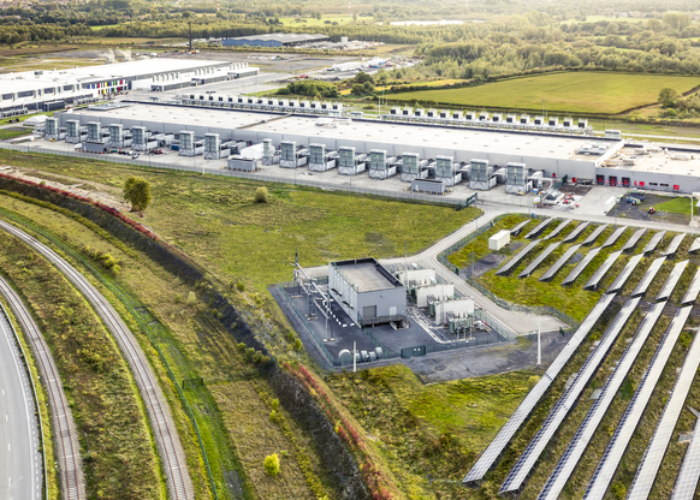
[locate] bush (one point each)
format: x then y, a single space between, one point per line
298 345
618 490
261 195
178 298
276 404
241 347
240 286
249 353
272 464
191 299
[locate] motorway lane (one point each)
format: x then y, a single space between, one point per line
20 459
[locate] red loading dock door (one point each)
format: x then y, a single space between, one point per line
626 181
600 180
613 180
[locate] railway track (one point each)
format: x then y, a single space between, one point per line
164 430
68 447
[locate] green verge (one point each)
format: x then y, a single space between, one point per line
118 454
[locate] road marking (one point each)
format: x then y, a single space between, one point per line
9 447
7 418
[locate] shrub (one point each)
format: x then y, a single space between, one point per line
249 353
240 286
276 404
241 347
178 298
261 195
298 345
618 490
257 357
191 299
272 464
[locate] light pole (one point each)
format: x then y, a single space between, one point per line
539 346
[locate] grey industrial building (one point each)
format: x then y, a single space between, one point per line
478 155
367 291
272 40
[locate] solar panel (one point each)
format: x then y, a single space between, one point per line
508 266
576 232
691 294
588 427
538 260
602 270
581 266
489 457
687 480
673 246
649 468
516 230
539 228
612 239
625 274
560 263
648 277
654 241
695 246
672 281
607 466
634 239
594 235
558 229
527 460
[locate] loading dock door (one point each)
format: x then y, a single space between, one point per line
626 181
600 180
369 312
613 180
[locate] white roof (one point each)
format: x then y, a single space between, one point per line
35 120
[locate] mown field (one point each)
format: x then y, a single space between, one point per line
575 92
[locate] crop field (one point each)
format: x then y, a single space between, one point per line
575 92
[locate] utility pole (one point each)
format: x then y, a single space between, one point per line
190 34
354 357
692 214
539 346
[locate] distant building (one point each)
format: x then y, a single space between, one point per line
272 40
367 291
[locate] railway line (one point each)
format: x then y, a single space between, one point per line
68 447
164 430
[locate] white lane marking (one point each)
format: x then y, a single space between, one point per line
9 447
7 419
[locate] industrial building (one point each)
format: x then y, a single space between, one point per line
436 158
366 291
273 40
41 90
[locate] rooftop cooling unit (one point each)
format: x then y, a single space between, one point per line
212 147
94 131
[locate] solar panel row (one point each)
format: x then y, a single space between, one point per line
602 270
539 228
648 277
602 477
687 480
517 229
558 229
612 239
695 246
691 294
588 427
594 235
522 468
625 274
538 260
654 455
494 450
654 242
634 239
552 271
513 262
672 280
576 232
581 266
673 246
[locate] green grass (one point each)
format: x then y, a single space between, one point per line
118 453
306 21
583 92
11 134
678 205
98 28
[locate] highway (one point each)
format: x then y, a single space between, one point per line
172 455
67 446
21 462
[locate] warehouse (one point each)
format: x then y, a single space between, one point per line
273 40
545 156
366 291
41 90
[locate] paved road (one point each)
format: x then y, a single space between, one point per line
20 459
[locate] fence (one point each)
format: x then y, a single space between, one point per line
399 195
537 310
138 317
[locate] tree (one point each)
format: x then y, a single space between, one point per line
368 87
667 97
363 77
272 464
137 192
358 89
261 195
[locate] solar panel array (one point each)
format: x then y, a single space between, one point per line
558 229
494 450
691 294
654 241
594 235
672 281
576 232
521 469
538 260
588 427
607 466
513 262
695 246
539 228
687 480
516 230
560 263
625 274
648 277
612 239
649 468
673 246
634 239
602 270
581 266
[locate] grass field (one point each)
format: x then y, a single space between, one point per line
98 28
582 92
307 21
678 205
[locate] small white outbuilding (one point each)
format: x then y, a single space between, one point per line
499 240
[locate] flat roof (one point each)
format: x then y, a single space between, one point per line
663 163
435 136
281 37
366 275
206 117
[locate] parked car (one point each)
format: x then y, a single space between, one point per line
652 210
